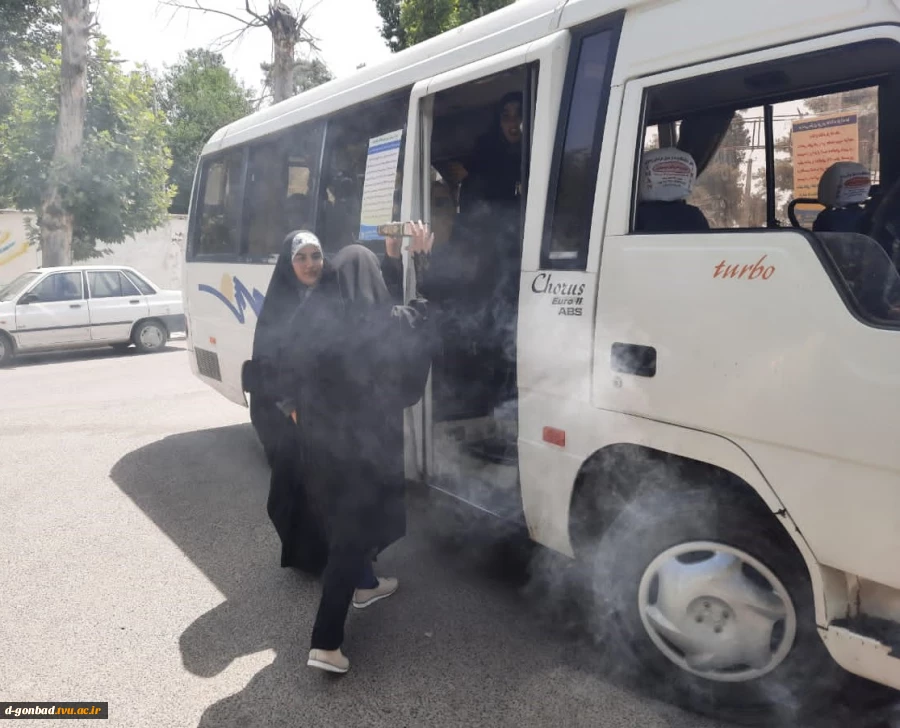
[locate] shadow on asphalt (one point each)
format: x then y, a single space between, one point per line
484 630
57 357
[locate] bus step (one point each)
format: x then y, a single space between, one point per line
881 630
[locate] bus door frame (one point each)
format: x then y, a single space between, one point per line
551 55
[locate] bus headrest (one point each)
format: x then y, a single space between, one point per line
844 183
667 175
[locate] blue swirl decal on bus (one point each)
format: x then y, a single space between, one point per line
236 296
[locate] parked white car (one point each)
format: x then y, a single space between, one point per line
86 306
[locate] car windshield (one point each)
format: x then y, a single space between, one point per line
7 293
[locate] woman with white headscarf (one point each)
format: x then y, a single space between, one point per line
349 363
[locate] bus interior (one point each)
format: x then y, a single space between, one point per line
477 257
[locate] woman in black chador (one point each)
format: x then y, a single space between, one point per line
343 366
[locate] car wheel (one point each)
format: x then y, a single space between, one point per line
7 350
712 598
150 336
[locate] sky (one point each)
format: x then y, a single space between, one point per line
144 31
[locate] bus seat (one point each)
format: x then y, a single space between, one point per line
667 180
843 189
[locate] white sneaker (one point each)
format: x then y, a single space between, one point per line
363 598
329 660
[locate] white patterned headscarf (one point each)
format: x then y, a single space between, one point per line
304 239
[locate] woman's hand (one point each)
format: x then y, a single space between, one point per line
456 172
422 238
294 416
392 247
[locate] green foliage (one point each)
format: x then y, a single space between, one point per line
28 28
470 10
308 73
120 188
199 96
391 29
407 22
424 19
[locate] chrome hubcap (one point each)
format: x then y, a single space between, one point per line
152 337
717 612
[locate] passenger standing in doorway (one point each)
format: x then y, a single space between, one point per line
350 364
491 212
495 174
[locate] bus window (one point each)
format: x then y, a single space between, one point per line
220 206
344 170
795 158
280 178
571 197
730 187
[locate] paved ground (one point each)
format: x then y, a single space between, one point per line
139 568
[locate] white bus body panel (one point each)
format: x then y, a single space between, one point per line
224 324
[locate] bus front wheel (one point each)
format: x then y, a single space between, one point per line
712 599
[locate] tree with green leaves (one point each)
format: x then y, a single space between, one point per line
391 29
308 73
199 96
119 188
407 22
27 29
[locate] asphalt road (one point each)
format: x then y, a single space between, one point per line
139 568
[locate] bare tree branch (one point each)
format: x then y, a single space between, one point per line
231 38
287 27
250 11
258 22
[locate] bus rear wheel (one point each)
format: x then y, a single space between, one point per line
713 600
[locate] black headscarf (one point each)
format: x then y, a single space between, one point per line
284 295
360 280
496 167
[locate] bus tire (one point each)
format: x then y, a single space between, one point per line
711 598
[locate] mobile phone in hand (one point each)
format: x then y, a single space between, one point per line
395 230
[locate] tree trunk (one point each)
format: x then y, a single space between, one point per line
55 220
285 28
283 70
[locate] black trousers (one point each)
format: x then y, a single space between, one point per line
343 573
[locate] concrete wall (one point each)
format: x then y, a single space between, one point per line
158 254
16 256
